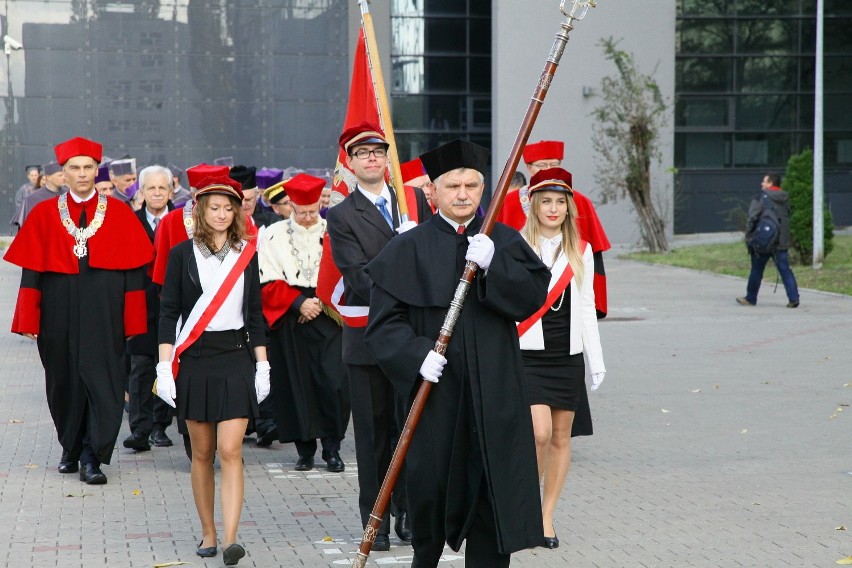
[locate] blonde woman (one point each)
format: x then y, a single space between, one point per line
556 338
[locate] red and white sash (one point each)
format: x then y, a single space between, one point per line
211 300
561 275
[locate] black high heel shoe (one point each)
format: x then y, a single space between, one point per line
551 541
208 552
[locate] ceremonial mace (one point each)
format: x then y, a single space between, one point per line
577 13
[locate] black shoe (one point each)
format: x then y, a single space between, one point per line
265 438
208 552
304 463
67 465
232 554
402 527
137 442
92 474
159 439
793 304
382 543
334 464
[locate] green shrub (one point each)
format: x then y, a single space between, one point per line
799 184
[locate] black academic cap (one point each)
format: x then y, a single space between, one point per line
245 175
453 155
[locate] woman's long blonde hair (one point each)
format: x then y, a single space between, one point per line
570 235
204 234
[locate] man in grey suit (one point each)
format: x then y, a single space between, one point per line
359 228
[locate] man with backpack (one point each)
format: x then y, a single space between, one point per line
768 236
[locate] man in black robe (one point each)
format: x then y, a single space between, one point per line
81 295
471 467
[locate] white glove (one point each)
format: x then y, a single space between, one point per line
597 379
480 250
261 380
407 226
166 383
432 367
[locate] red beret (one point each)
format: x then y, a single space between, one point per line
552 179
219 184
362 133
304 189
412 169
544 150
196 174
77 147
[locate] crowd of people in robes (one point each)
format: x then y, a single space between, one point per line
208 299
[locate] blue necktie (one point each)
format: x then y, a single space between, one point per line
382 204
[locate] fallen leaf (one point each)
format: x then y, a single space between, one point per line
79 495
839 409
167 564
840 528
848 385
743 431
666 411
16 421
137 492
765 383
327 539
716 387
695 390
31 466
845 561
832 416
756 503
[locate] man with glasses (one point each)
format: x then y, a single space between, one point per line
309 386
544 155
359 228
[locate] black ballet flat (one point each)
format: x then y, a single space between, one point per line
208 552
232 554
551 542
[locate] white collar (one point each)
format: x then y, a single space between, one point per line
372 196
82 199
452 223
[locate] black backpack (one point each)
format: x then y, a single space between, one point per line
764 238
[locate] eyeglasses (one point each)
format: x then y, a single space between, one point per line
306 214
546 164
363 153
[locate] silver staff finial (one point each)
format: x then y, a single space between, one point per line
578 9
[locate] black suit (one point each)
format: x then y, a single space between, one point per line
358 233
146 411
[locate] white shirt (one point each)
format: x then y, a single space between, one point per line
230 314
372 197
453 224
150 217
549 249
81 199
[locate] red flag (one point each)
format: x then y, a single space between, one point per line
362 106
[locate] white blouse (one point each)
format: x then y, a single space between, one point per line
230 315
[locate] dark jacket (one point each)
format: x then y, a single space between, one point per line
182 288
358 233
781 205
146 344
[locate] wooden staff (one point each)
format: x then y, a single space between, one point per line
578 12
384 109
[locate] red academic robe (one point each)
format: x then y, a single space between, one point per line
82 309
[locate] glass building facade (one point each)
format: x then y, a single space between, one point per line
441 73
180 81
745 100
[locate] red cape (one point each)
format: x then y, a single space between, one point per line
44 245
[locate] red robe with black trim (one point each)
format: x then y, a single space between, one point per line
588 225
82 310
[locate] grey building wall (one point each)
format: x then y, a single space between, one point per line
523 33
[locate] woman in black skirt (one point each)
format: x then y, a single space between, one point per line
555 339
212 283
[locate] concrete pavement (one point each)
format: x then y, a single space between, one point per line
722 438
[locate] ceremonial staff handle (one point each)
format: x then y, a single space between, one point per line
577 12
384 108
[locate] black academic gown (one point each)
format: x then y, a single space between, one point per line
476 424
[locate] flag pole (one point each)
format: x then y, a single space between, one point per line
384 108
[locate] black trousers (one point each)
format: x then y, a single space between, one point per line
480 542
146 410
308 448
375 420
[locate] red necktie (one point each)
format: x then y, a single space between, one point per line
460 230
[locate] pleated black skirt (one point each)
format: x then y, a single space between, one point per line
215 380
555 378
